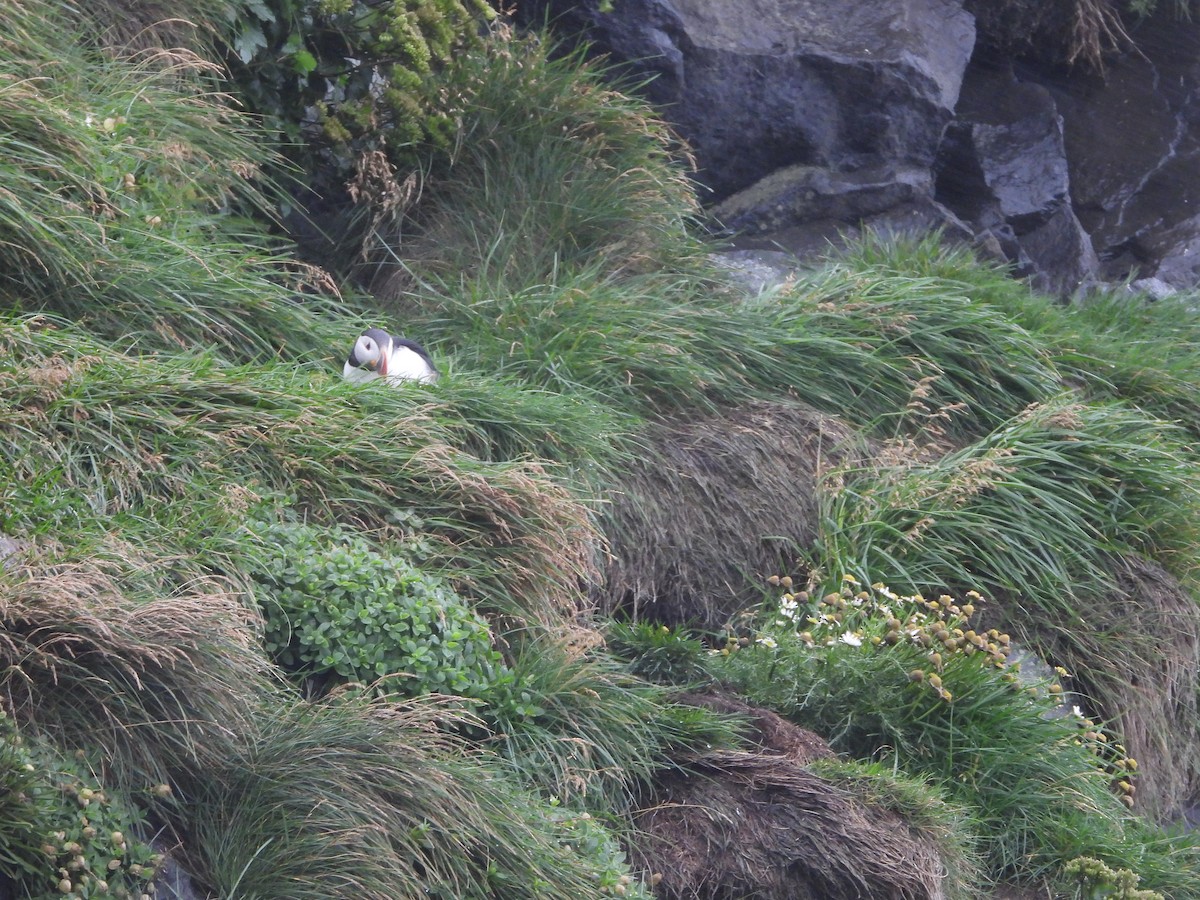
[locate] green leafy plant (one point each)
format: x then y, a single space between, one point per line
362 67
334 603
63 832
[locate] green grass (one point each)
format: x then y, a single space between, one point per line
162 383
119 178
353 800
91 434
552 167
1035 782
580 726
1034 510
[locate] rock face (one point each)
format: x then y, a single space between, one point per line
810 119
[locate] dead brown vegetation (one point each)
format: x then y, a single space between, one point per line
716 505
733 824
1148 691
155 683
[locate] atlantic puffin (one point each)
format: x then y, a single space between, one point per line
377 354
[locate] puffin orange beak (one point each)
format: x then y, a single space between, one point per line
383 365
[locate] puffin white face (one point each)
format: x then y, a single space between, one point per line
368 359
368 352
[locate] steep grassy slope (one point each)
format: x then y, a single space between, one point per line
208 541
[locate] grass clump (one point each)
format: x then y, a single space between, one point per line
355 799
118 175
1042 503
202 429
108 655
579 726
552 168
907 679
1109 345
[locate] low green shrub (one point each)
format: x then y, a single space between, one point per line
333 603
63 831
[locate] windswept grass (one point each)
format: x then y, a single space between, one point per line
552 167
118 178
350 800
93 434
100 654
581 727
1111 345
1038 507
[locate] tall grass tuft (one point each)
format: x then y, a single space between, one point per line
552 167
1109 345
1037 510
119 177
580 726
354 800
102 655
934 359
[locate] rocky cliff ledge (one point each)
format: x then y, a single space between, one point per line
813 119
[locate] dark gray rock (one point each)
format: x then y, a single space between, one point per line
806 210
757 85
1003 168
884 115
1131 138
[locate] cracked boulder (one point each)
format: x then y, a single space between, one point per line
1003 168
759 85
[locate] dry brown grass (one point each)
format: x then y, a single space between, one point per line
736 824
1148 691
94 659
716 505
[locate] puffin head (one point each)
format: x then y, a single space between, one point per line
370 351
